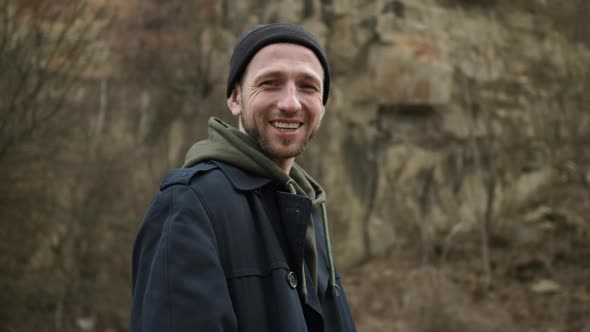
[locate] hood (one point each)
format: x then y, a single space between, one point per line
229 145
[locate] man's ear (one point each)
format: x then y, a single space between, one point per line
234 102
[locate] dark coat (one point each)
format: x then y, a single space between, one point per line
219 250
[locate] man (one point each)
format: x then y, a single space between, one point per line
237 240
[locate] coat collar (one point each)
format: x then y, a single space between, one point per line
241 179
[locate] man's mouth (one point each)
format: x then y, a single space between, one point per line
285 126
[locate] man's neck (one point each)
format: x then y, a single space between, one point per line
284 164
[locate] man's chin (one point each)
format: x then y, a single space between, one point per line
283 153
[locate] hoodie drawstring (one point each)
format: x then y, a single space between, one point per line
293 191
335 289
334 286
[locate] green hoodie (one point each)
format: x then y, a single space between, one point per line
229 145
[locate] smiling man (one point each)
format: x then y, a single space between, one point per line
279 101
237 239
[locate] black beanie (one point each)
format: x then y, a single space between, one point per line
263 35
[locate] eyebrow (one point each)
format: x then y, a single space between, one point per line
311 77
304 75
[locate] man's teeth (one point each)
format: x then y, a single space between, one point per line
285 125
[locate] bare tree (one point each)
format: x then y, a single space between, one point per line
44 51
47 49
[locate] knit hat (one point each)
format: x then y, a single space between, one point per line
263 35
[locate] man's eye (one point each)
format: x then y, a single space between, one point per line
310 87
269 83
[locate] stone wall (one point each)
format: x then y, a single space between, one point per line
444 115
447 119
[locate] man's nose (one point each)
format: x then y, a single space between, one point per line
289 101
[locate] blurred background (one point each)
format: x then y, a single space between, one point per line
455 152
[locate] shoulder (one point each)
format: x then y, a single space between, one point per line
213 175
205 183
184 176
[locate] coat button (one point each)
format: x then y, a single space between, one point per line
292 279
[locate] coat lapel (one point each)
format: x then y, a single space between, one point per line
294 211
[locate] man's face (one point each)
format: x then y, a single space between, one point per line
279 100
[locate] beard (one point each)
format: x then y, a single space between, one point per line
276 148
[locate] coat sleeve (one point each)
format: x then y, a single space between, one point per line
178 281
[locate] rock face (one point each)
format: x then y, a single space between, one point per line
440 115
446 118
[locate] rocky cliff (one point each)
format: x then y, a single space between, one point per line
446 116
450 121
